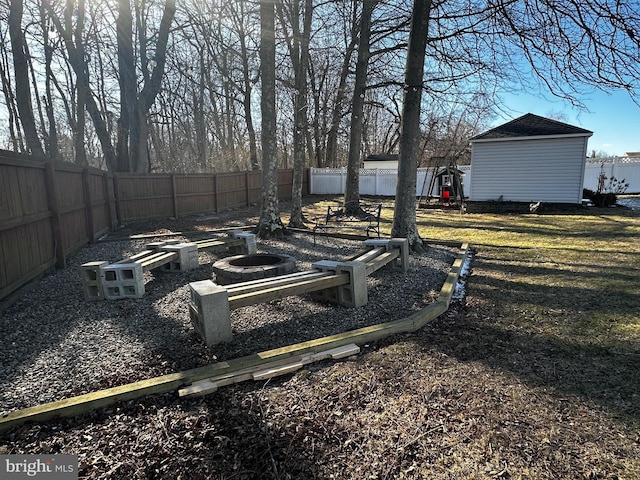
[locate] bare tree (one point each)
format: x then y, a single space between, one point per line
21 74
568 45
15 133
269 224
51 137
337 111
352 188
134 122
77 57
404 217
298 46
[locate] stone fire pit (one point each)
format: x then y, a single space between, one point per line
242 268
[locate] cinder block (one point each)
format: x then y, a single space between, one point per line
187 257
354 294
400 244
209 312
91 281
328 294
122 280
325 265
250 246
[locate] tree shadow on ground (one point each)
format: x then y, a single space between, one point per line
607 375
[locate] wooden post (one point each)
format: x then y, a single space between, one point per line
88 206
116 195
175 196
59 259
107 199
246 185
216 196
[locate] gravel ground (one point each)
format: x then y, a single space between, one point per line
58 345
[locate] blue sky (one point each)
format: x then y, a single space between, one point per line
613 118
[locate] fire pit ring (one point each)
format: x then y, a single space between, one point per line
242 268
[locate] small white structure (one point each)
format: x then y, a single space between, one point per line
383 161
529 159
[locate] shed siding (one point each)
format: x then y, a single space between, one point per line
546 170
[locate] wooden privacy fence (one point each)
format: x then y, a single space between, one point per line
48 211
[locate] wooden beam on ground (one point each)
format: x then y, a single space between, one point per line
267 370
449 286
218 245
167 383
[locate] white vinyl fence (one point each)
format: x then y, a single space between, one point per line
620 168
377 181
382 182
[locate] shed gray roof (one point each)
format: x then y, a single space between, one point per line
384 157
530 125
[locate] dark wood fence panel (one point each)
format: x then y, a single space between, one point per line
25 222
194 194
98 199
48 211
72 210
231 190
254 186
285 184
144 196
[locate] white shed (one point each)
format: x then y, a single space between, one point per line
529 159
383 161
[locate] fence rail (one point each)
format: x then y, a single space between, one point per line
382 182
50 210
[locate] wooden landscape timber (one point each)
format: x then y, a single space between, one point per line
266 371
85 403
186 233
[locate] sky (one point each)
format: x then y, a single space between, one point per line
613 118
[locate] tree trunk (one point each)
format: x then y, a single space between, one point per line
51 137
81 91
134 112
270 224
127 82
21 73
337 114
300 118
248 88
404 215
15 135
352 188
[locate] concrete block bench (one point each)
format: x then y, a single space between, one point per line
344 283
125 278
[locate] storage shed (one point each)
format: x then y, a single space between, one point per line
529 159
387 161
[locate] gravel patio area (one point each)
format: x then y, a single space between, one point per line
58 345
